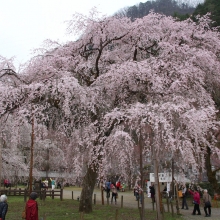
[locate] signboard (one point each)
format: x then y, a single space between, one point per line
163 177
167 178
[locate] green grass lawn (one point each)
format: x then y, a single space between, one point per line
68 210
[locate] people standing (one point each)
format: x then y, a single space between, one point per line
207 203
108 188
31 207
6 183
53 183
59 185
136 191
184 194
46 183
3 206
123 187
118 185
196 201
114 193
152 193
140 190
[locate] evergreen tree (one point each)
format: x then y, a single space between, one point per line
212 6
166 7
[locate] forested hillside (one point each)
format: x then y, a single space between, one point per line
167 7
212 6
177 8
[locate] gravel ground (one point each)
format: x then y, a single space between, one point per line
130 201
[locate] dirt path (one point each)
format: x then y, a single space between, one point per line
129 200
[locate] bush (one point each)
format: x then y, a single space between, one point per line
208 186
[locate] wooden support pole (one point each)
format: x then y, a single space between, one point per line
116 214
31 157
102 194
94 199
177 201
61 194
167 200
171 204
157 187
52 194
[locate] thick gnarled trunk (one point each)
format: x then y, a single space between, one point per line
89 182
211 174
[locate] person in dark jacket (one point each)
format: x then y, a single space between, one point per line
184 193
32 207
3 206
152 193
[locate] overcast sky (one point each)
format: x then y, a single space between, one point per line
25 24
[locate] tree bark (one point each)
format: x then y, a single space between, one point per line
157 187
142 217
211 174
1 146
89 181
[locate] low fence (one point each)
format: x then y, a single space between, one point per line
42 194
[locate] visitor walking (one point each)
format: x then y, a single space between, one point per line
118 185
152 193
53 183
32 207
45 182
136 191
3 207
196 201
108 188
114 193
184 194
207 203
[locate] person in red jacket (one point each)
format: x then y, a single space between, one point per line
32 207
118 185
196 201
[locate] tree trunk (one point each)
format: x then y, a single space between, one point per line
89 181
1 146
211 174
157 188
142 216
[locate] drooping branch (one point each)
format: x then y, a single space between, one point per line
9 72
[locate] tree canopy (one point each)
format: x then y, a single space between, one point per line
123 85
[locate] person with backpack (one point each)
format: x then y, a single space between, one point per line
184 194
207 203
3 207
